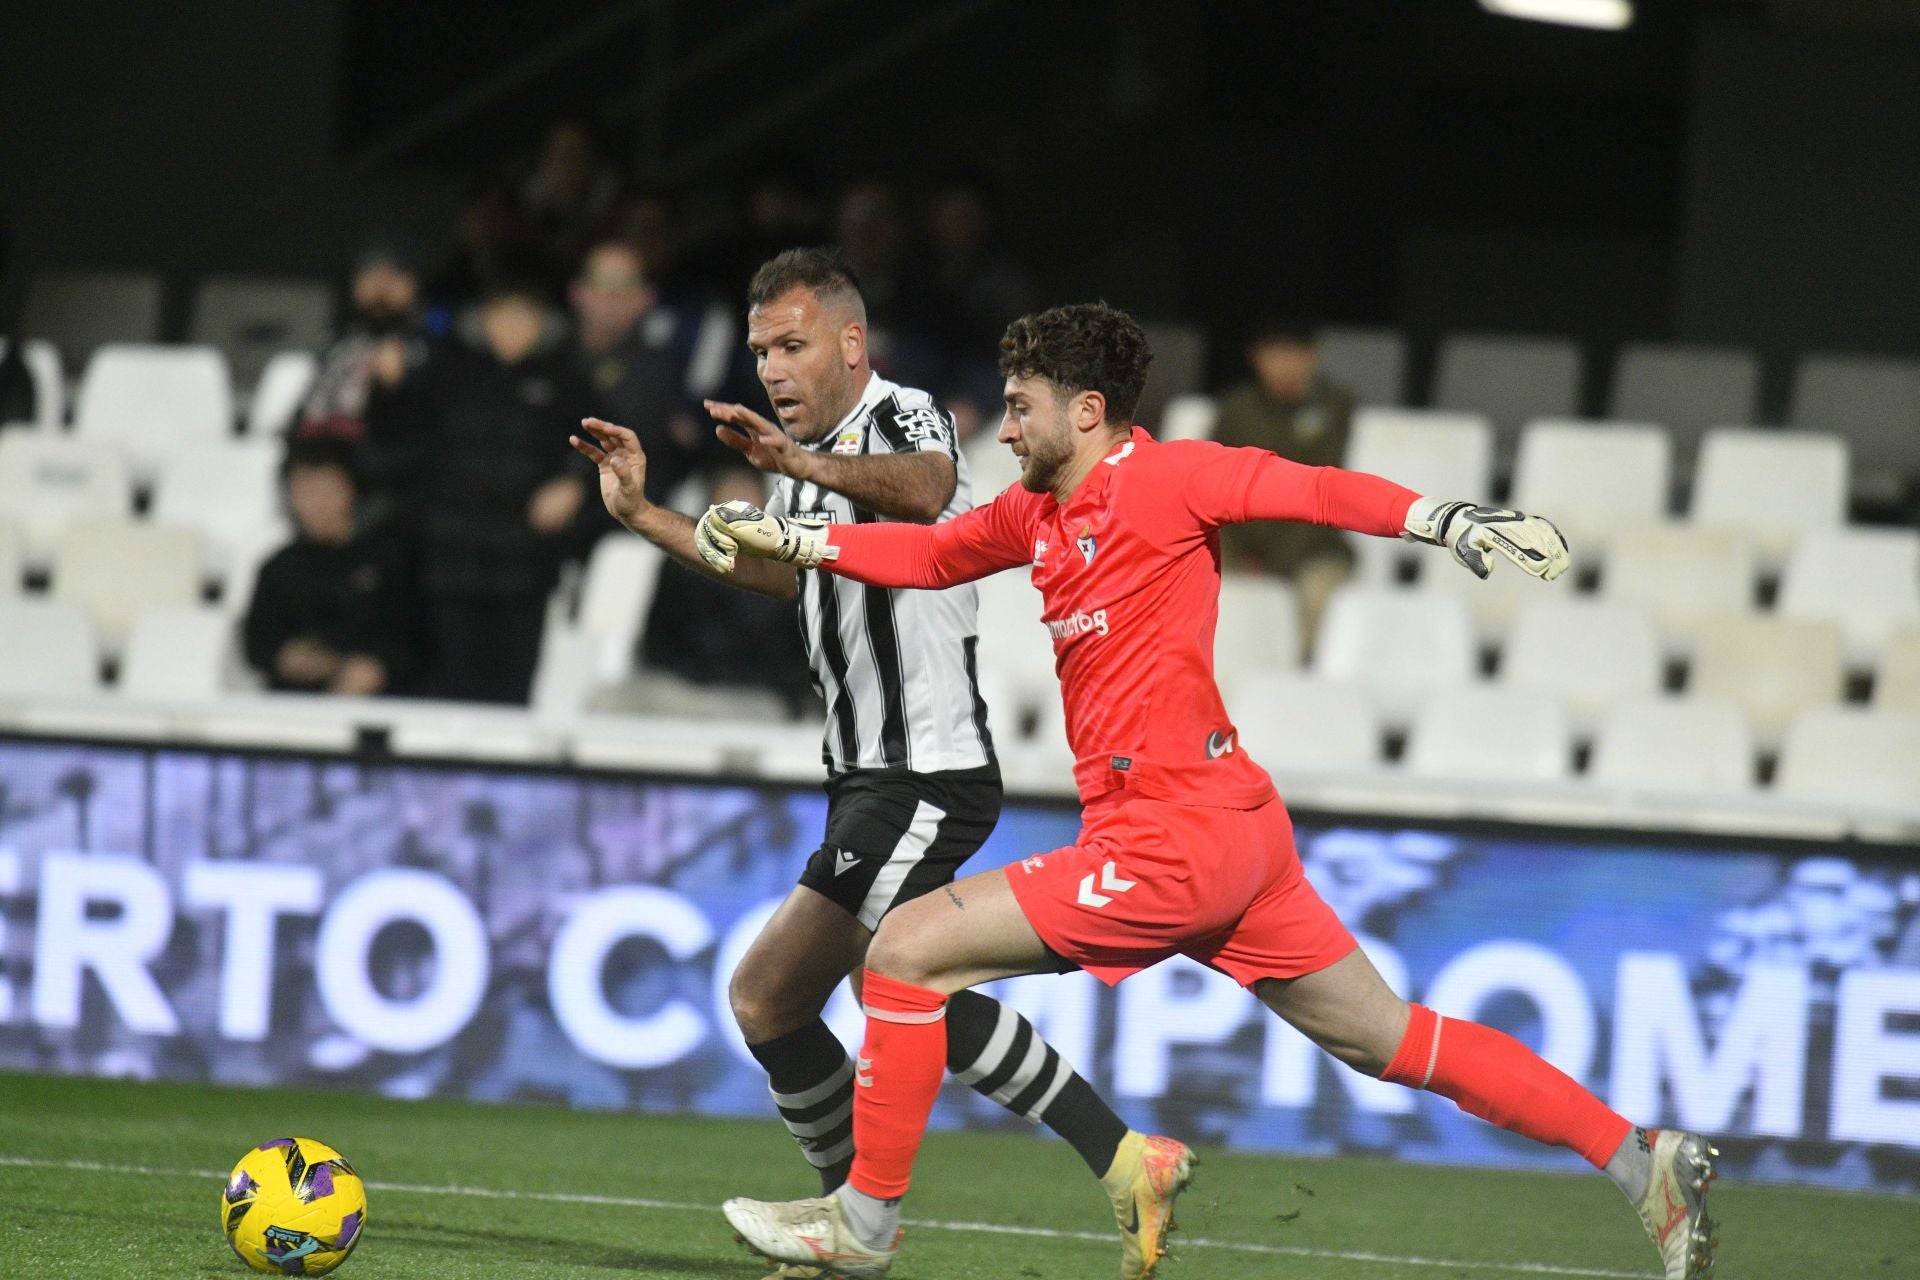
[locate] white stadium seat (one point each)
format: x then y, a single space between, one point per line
1593 652
1179 365
1187 417
117 569
1896 685
13 557
1683 574
1510 378
1866 579
1770 485
1686 745
225 490
1439 455
1293 723
1371 363
49 385
49 480
1591 477
991 466
1496 600
151 400
280 393
1491 734
1853 755
1398 645
1259 627
623 572
1686 389
1772 668
1875 403
47 649
1014 647
178 655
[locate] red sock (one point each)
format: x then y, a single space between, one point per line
1489 1074
897 1078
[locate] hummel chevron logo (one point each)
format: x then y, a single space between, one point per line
1109 880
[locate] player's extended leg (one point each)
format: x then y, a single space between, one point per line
1348 1009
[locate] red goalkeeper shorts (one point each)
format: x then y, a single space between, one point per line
1149 879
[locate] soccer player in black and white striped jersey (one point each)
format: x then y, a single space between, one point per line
913 786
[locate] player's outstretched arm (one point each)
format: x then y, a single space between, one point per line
971 545
622 464
903 486
1472 533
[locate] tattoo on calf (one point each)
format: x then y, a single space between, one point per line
956 898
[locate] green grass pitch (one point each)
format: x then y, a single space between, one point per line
115 1179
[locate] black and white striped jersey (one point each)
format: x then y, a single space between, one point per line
896 667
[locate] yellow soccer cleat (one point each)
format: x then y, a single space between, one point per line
1147 1176
811 1233
1675 1206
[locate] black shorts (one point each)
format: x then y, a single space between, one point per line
893 835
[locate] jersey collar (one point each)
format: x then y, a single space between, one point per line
876 390
1097 479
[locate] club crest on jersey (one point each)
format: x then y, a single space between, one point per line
1086 543
848 441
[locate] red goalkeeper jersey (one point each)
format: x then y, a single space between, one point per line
1128 570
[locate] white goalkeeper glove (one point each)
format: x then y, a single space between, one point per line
733 527
1471 532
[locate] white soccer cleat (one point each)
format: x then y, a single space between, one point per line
1675 1206
809 1232
1147 1176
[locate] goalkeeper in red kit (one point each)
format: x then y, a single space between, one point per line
1184 847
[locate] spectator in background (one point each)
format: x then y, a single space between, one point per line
497 492
367 371
1288 406
570 192
968 287
634 384
691 321
873 241
493 242
334 610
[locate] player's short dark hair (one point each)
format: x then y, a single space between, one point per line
1088 346
823 271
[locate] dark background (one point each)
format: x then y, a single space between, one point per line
1733 171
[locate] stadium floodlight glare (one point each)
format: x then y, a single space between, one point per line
1602 15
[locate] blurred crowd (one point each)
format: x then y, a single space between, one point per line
436 502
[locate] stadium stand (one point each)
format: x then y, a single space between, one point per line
1852 755
178 655
227 491
1682 574
1896 685
250 319
13 557
78 312
1594 477
1872 401
1269 708
282 387
1397 645
1686 389
1372 363
47 649
1431 452
49 384
1188 417
1683 745
1592 651
1512 379
1770 667
151 400
1259 626
1867 580
118 569
1531 738
1771 486
47 481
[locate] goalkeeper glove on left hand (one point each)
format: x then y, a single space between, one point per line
1471 532
741 526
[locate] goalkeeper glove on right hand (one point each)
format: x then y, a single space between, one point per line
741 526
1471 532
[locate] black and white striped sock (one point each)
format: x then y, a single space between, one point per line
811 1080
1000 1055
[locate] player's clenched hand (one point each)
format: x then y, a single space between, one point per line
1472 533
741 526
617 453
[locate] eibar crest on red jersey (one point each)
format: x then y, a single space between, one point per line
1086 543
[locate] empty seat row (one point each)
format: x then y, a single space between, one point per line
51 648
1873 401
1297 724
247 318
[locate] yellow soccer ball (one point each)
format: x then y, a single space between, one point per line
293 1207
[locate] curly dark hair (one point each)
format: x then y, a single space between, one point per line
1088 346
824 271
